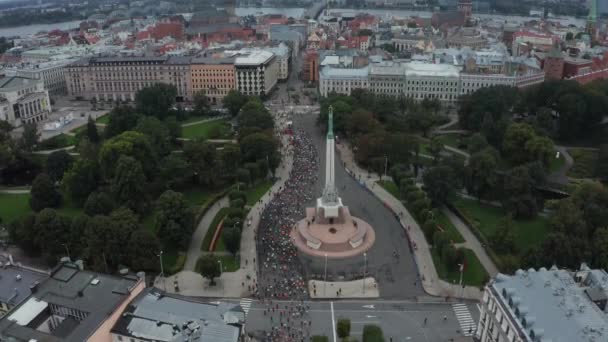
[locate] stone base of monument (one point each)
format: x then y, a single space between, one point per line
341 237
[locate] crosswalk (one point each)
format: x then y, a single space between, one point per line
463 315
246 305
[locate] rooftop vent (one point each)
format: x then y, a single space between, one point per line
18 277
95 281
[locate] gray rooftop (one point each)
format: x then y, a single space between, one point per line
96 295
155 316
15 283
16 83
553 305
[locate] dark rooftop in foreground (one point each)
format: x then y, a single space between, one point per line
68 306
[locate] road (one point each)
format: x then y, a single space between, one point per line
401 320
397 276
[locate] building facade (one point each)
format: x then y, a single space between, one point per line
545 305
23 100
120 78
257 72
51 73
214 76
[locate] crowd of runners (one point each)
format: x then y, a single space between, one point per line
280 272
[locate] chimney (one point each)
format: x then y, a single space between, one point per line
34 287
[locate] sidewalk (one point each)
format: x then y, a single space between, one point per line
194 250
242 282
422 253
360 288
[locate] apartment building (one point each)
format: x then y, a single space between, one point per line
15 284
120 78
545 305
213 76
23 100
257 72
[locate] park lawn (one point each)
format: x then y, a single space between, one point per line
59 141
486 218
453 140
215 129
13 206
230 263
585 163
557 163
256 192
105 119
209 235
197 197
448 226
473 275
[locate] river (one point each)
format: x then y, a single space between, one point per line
32 29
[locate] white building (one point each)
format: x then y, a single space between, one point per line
342 80
23 100
545 305
257 72
52 73
434 81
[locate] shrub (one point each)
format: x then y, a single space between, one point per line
372 333
343 328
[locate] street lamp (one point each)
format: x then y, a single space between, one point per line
162 272
385 165
325 277
221 272
364 270
67 250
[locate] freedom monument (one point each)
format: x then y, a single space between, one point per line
329 230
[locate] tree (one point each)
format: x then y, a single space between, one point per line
92 133
254 114
156 100
51 232
517 136
29 137
232 238
518 191
438 183
81 180
569 36
541 149
481 173
120 119
201 102
98 203
57 164
124 223
233 101
175 171
503 239
99 234
129 183
174 128
21 231
43 193
476 143
174 220
259 146
372 333
208 266
202 158
143 248
343 328
435 148
132 144
157 132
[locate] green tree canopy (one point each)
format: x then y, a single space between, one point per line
131 144
120 119
81 180
233 101
43 193
208 266
129 183
57 164
156 100
174 219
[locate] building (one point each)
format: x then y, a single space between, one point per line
434 81
71 305
387 78
545 305
15 285
466 8
310 66
23 100
120 78
52 73
342 80
283 58
257 72
214 76
553 65
157 316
